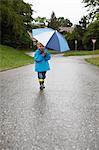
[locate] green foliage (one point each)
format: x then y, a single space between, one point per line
84 22
91 33
91 2
77 34
40 22
40 19
93 8
53 23
64 22
84 33
61 21
15 21
67 23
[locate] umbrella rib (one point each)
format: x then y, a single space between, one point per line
58 40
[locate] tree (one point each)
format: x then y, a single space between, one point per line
61 21
77 34
67 23
64 22
15 21
91 33
41 21
92 5
53 23
84 22
91 2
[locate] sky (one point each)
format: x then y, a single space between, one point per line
70 9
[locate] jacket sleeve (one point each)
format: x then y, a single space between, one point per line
48 56
37 56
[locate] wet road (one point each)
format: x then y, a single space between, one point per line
65 116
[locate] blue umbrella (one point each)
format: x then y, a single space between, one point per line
51 39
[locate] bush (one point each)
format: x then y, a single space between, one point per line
91 33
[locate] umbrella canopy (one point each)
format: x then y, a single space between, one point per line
51 39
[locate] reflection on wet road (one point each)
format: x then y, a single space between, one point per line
65 116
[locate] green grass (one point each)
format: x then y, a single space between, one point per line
80 53
13 58
94 61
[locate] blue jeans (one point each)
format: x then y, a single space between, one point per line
42 75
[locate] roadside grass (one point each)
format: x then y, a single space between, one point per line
94 61
80 53
13 58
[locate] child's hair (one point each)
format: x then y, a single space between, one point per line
38 43
40 46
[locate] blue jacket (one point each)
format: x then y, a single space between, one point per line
41 63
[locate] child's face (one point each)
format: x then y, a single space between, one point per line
40 46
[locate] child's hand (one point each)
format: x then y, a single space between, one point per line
43 54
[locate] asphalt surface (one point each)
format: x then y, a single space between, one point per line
65 116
